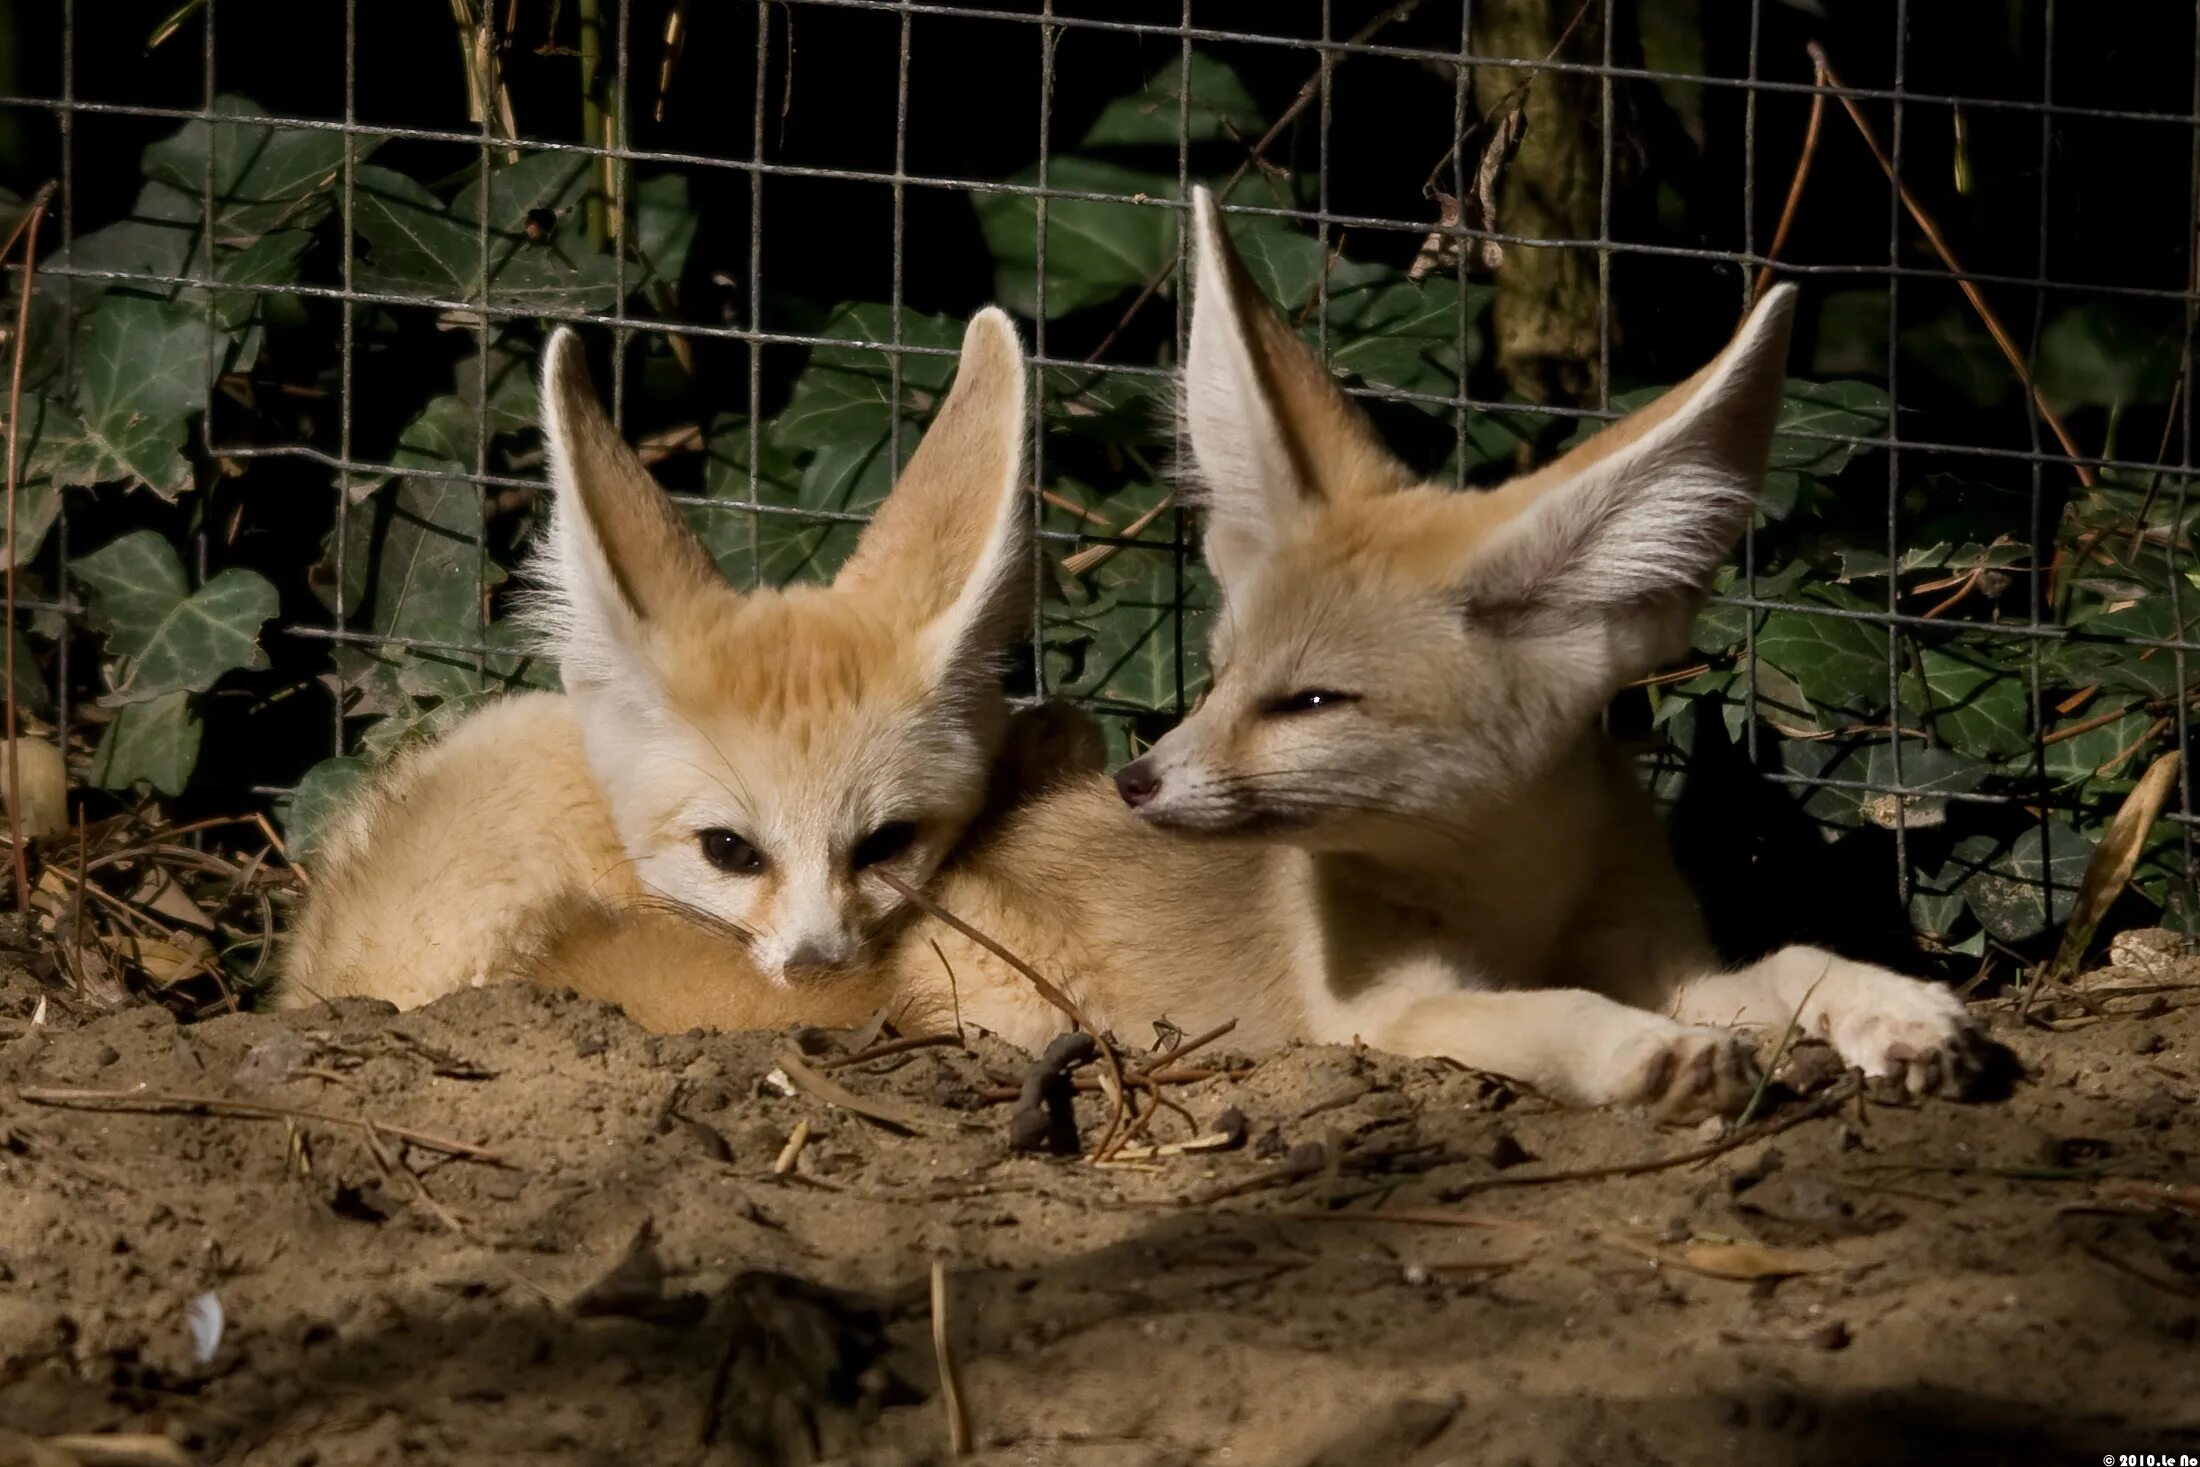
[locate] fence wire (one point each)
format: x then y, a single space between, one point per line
1896 761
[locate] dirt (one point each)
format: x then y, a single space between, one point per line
512 1227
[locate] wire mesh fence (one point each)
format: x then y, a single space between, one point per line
277 445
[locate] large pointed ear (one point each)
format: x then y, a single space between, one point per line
1271 432
1622 533
950 549
619 556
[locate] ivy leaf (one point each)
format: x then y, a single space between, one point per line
510 393
1127 634
1391 332
413 722
1805 446
844 392
327 789
1286 262
265 177
1975 705
155 742
1840 663
31 690
517 663
1219 108
159 237
417 243
1781 701
1936 903
2021 888
164 637
1930 775
1095 250
1943 559
2076 758
1806 451
54 451
144 374
752 548
417 574
1112 407
272 259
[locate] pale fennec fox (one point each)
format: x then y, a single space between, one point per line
1391 818
749 756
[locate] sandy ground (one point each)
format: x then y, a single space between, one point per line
512 1227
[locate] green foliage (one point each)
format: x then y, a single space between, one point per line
1948 705
164 637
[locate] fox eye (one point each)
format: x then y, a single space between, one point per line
731 853
1307 700
883 844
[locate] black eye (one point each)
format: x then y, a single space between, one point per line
882 844
730 853
1308 700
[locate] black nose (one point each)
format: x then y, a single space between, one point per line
1137 783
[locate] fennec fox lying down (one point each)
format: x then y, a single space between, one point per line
749 757
1391 818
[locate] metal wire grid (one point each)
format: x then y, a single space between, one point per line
1048 26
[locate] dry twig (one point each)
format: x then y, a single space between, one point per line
27 231
951 1396
1046 990
160 1102
1971 292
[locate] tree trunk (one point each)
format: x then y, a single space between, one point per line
1545 317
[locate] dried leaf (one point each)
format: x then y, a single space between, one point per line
1722 1258
2114 859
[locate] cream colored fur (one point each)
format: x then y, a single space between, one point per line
1391 818
803 721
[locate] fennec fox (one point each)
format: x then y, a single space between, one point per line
1391 817
747 756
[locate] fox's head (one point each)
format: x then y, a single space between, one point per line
766 753
1395 652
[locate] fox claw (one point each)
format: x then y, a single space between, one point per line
1917 1037
1689 1073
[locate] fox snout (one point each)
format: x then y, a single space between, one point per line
1179 792
1138 782
807 957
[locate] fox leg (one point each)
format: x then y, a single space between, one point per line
1879 1021
1577 1046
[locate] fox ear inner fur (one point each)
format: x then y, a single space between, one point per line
1271 433
949 550
946 555
1614 541
1621 535
619 556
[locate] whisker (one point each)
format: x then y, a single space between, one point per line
723 926
1330 802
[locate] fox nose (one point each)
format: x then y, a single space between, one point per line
1137 782
811 958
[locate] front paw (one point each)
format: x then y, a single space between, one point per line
1684 1072
1918 1035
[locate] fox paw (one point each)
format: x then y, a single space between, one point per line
1917 1035
1685 1073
